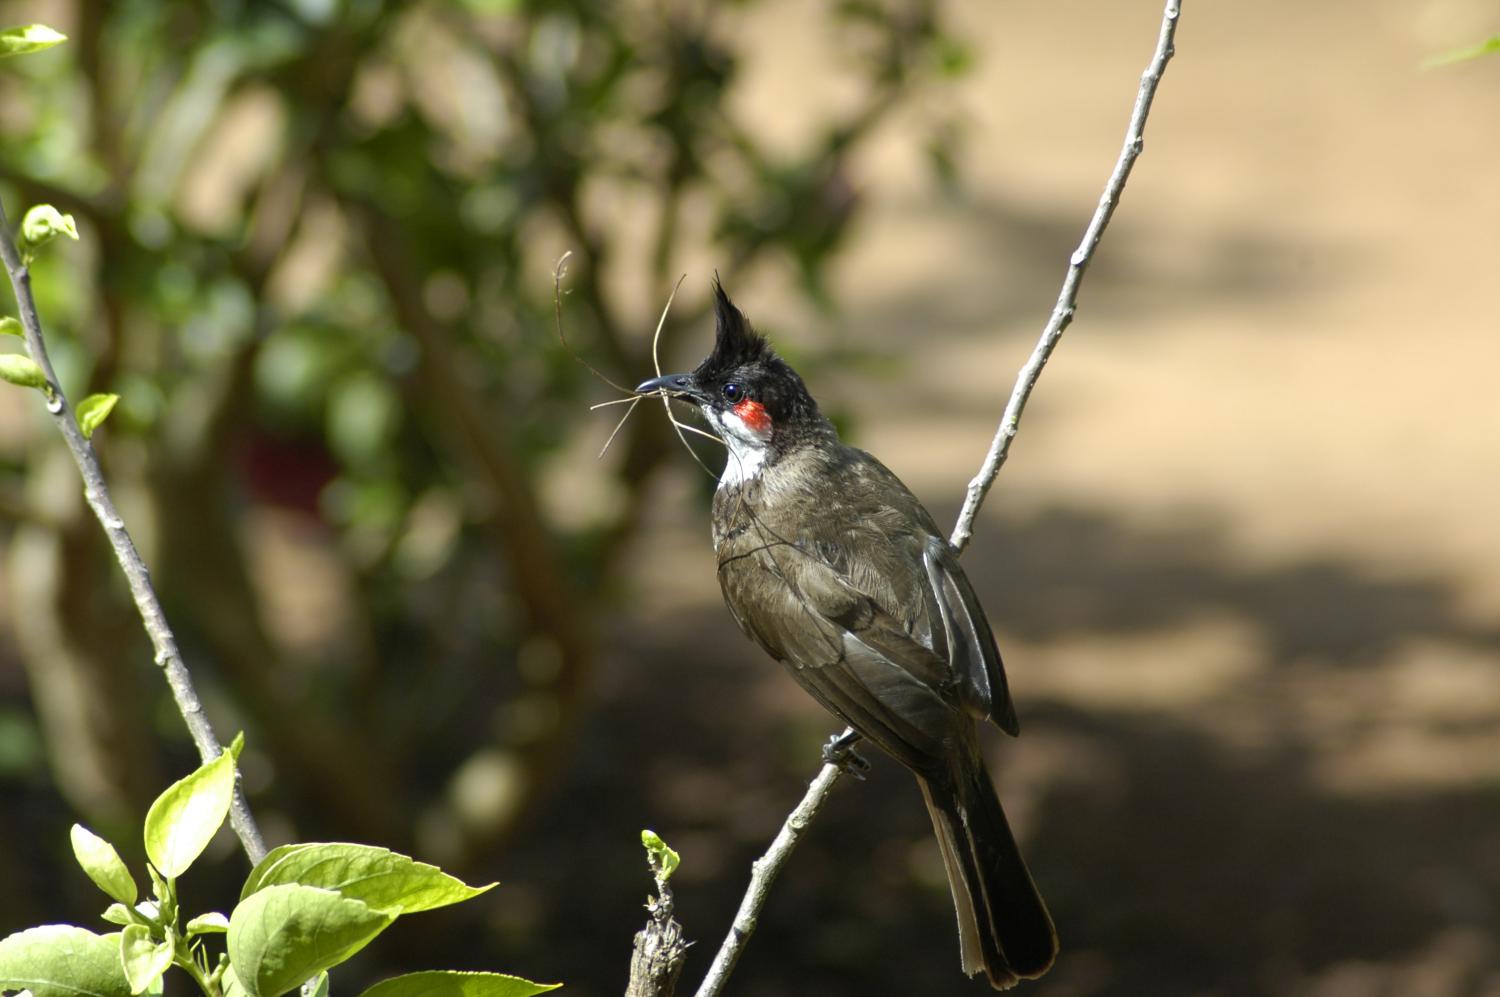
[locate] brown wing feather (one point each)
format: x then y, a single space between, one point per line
973 654
892 639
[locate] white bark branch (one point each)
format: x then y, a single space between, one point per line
1067 300
763 873
768 866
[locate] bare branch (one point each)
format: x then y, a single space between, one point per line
763 873
1067 300
163 641
767 867
656 960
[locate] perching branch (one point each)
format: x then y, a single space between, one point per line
97 494
1067 300
762 874
766 868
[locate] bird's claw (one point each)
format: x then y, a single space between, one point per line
840 751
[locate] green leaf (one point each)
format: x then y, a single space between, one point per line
93 410
11 326
28 39
384 879
1486 47
451 983
230 983
212 923
144 959
286 934
43 223
102 864
162 890
184 819
118 914
60 960
319 987
663 859
21 371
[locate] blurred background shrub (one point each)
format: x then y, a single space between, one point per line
317 257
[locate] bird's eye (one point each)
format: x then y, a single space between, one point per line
733 392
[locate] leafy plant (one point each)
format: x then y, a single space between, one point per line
28 39
358 331
304 909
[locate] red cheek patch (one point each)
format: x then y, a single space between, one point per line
754 415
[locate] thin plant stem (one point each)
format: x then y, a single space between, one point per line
96 492
1067 299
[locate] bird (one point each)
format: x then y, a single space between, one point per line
830 563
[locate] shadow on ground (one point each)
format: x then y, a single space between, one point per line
1321 819
1006 258
1176 860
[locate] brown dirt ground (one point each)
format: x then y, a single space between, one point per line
1242 561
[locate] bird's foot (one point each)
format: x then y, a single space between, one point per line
840 751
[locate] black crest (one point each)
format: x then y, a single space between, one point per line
736 344
743 355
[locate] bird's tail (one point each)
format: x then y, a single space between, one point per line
1003 925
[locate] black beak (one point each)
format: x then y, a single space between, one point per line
672 384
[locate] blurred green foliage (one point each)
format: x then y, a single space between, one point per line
1487 47
316 266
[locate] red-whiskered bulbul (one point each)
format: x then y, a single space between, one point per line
830 564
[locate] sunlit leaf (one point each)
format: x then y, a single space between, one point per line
43 223
230 984
664 860
22 371
184 819
60 960
212 923
103 865
451 983
384 879
28 39
144 959
93 410
118 914
284 935
11 326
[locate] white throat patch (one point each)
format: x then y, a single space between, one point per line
747 447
